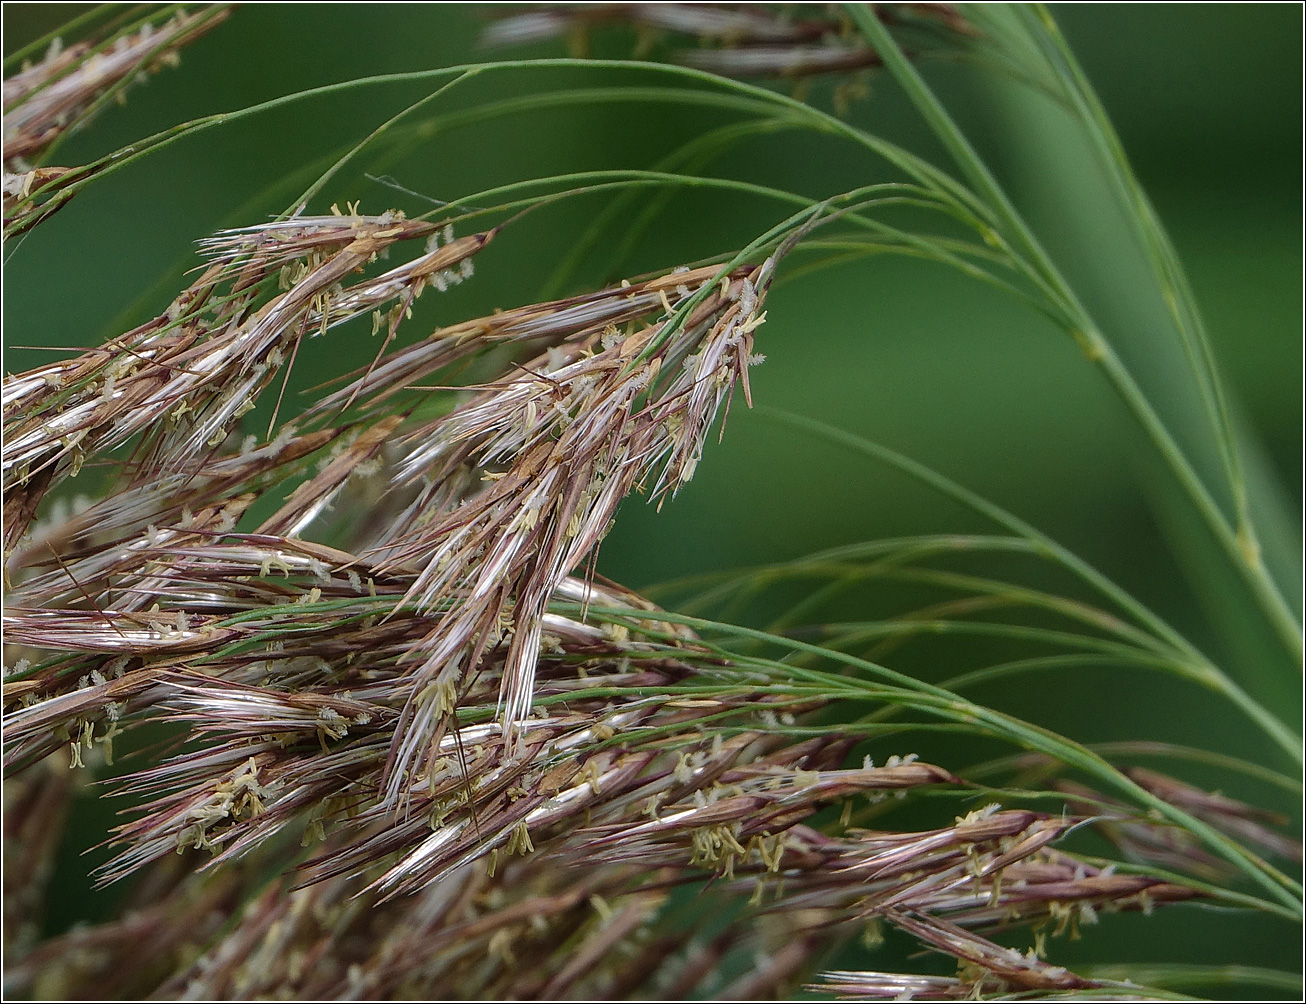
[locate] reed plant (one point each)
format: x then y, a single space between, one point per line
342 658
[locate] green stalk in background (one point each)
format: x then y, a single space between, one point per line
1029 39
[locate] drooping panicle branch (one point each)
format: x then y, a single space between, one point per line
46 100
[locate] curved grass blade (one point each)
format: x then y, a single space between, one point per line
1237 546
1215 677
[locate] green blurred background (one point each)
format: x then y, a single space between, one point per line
1207 99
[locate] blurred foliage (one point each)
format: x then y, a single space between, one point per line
1207 100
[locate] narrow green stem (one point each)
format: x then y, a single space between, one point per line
299 204
1179 301
1212 675
1240 551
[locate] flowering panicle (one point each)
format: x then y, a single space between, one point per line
561 442
1053 983
126 514
443 726
1245 822
375 726
986 968
988 870
738 40
45 100
744 807
1147 840
573 319
184 378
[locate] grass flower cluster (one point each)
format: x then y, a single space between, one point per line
390 732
